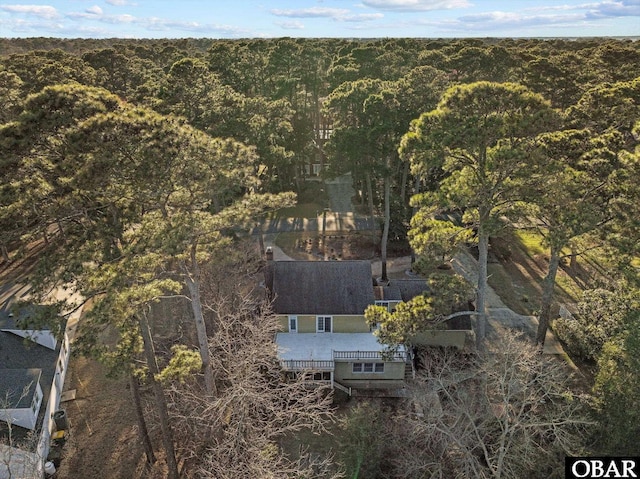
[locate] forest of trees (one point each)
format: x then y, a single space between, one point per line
139 163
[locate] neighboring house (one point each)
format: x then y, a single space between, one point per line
316 163
456 332
321 307
33 365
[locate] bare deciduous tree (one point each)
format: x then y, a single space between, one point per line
504 413
18 452
237 433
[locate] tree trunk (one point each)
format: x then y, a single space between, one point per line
385 231
371 212
193 283
297 178
5 253
61 230
142 425
403 184
161 403
261 240
416 190
483 252
547 295
573 259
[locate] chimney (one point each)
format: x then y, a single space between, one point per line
268 272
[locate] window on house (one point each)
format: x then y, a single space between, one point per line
389 305
322 376
36 401
323 324
368 367
293 324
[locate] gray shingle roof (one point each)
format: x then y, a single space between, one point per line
322 287
402 290
20 319
20 354
410 288
17 387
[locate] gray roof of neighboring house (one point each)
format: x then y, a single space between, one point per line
19 319
410 288
17 353
402 289
17 387
321 287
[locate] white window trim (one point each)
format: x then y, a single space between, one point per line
389 305
293 319
359 368
323 319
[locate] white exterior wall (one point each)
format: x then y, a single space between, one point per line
29 465
49 425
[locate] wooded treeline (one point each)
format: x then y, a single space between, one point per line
139 161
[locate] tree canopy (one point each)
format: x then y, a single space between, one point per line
135 164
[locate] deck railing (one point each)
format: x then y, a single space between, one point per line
381 355
311 365
304 365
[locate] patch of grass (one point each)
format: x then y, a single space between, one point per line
301 210
531 242
520 296
568 286
290 244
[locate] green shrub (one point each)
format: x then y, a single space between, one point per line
599 318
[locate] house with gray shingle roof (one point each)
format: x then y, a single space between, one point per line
320 305
33 365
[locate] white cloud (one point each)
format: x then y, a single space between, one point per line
117 19
609 9
41 11
118 3
503 21
363 17
161 24
95 10
96 14
416 5
337 14
314 12
293 25
526 21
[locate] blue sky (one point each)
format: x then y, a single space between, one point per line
319 18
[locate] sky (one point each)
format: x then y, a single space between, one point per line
319 18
